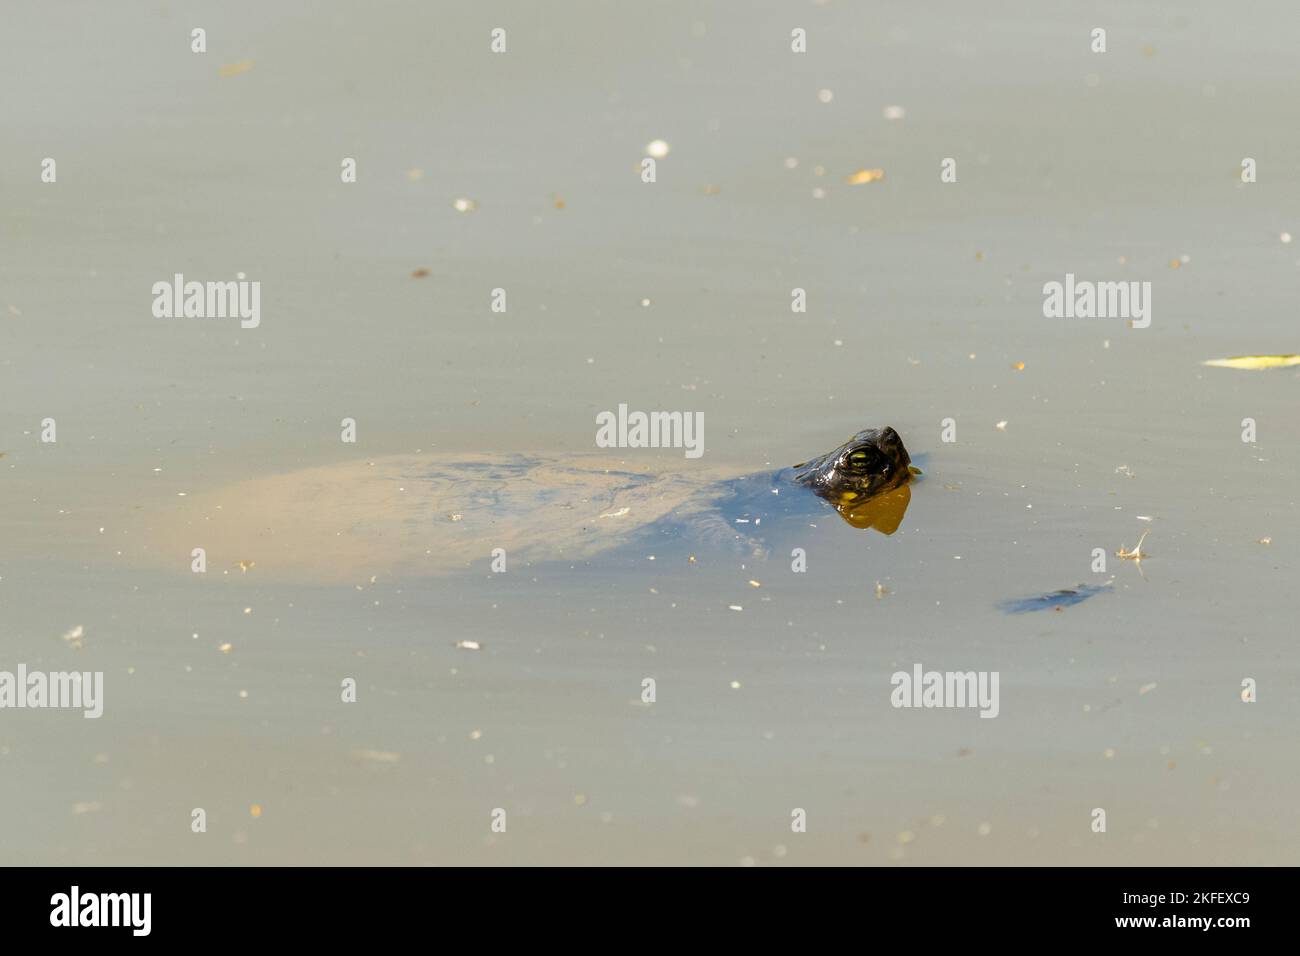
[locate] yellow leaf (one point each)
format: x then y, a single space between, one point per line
865 176
234 69
1255 361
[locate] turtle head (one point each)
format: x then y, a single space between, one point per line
871 462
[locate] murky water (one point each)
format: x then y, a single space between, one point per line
923 299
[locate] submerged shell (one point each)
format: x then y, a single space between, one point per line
422 514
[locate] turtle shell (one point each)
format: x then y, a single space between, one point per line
427 514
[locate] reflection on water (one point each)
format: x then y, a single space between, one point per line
884 513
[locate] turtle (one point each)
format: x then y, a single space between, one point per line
433 514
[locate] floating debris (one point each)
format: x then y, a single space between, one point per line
1018 366
255 810
1146 688
234 69
1126 471
377 756
1255 362
657 148
894 112
245 565
881 591
617 514
74 637
469 645
1055 600
226 648
1001 426
465 205
825 95
1137 554
456 517
734 607
88 807
419 273
415 174
1265 540
865 176
735 685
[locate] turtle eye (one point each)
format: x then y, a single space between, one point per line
862 459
